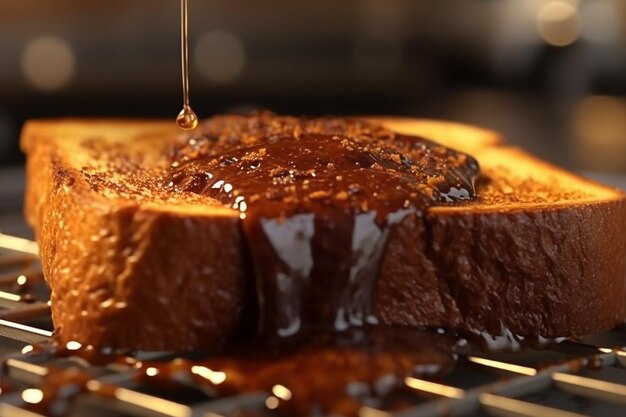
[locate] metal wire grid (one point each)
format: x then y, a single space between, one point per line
585 377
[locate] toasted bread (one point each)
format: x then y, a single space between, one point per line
540 251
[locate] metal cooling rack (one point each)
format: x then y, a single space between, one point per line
584 377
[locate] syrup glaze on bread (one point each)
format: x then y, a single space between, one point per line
318 199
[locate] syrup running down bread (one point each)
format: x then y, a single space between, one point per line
318 200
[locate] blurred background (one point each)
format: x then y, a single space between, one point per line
549 74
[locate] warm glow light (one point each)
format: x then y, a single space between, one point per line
434 388
272 402
581 384
605 350
73 345
151 371
505 406
93 385
48 63
9 296
373 412
153 405
25 328
21 280
32 395
27 349
18 244
215 377
281 392
504 366
220 57
558 23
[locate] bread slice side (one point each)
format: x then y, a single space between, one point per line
128 271
551 271
541 251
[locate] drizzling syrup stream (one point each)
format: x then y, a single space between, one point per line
186 119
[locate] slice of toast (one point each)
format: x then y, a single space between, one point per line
540 251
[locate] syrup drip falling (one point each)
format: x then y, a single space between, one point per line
187 118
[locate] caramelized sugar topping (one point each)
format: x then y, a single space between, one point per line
318 199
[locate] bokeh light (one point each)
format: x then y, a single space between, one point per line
220 57
48 63
558 23
599 128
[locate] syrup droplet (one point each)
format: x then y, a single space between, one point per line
187 119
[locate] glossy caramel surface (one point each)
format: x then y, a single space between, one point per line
318 199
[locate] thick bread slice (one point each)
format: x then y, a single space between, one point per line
541 251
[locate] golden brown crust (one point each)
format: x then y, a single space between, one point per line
540 252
